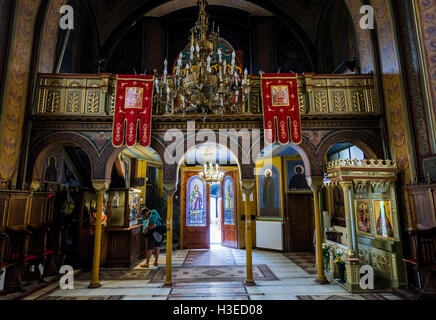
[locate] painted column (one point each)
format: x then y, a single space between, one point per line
352 264
316 185
170 189
248 187
346 187
100 187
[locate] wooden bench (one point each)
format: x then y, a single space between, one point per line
17 259
423 259
54 250
37 250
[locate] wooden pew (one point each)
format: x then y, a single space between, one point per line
3 251
54 250
423 260
17 259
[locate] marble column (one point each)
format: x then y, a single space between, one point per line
248 188
169 190
100 186
316 185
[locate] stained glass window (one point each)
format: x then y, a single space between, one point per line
196 203
229 210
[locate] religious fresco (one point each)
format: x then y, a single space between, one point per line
229 200
52 168
296 175
363 216
383 219
196 204
269 192
69 176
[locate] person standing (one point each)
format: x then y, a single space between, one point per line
153 222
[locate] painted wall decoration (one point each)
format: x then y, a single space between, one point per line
269 192
383 219
69 176
429 166
229 202
196 204
52 168
296 175
363 216
126 165
426 21
15 85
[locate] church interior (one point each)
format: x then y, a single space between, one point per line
217 150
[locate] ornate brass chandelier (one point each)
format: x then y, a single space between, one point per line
203 82
211 174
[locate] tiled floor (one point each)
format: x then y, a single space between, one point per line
293 283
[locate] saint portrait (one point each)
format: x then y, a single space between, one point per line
280 96
268 190
363 216
383 219
133 98
52 169
296 176
196 204
229 212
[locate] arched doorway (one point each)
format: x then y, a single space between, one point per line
136 183
209 210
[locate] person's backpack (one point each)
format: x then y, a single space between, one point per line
162 229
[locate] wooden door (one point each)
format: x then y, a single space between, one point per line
195 212
229 225
301 225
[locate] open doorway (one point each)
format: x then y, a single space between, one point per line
215 214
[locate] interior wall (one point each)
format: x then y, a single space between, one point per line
336 39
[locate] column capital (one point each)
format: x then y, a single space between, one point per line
35 186
315 182
346 185
248 186
101 185
169 187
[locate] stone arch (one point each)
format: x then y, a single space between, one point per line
238 157
304 149
41 151
111 153
367 143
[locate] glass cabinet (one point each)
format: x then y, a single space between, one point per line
123 208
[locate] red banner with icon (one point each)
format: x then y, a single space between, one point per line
134 96
281 109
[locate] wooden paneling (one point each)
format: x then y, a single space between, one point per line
301 226
37 210
230 232
17 211
4 201
194 237
123 247
423 200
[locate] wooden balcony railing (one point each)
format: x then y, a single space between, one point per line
94 95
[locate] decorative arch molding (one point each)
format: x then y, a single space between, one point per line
111 153
238 158
364 37
16 85
49 36
42 150
175 5
395 101
304 149
367 143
